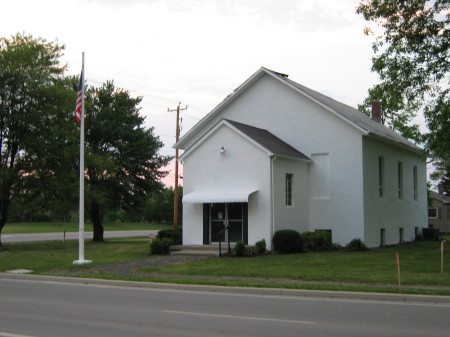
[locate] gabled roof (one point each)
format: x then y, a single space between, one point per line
268 140
351 115
263 139
440 197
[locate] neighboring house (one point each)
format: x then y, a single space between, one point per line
439 211
277 155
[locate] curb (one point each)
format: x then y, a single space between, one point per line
407 298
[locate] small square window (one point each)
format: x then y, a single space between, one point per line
433 213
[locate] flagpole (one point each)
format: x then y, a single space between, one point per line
81 259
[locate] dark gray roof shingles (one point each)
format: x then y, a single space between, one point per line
351 114
268 140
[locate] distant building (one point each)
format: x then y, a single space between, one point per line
439 211
277 155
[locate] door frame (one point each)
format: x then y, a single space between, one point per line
207 223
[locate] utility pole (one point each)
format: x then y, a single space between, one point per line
175 194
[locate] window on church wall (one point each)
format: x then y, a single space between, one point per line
415 182
400 179
289 177
381 177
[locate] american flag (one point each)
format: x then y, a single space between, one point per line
79 100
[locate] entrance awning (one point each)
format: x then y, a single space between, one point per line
205 197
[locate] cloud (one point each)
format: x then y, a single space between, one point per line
199 51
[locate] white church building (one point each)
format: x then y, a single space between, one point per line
277 155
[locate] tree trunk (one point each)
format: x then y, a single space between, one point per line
4 210
97 222
2 224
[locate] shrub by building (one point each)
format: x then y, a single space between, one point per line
287 241
317 241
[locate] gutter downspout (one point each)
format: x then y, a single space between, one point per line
272 203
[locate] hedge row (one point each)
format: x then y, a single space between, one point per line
288 241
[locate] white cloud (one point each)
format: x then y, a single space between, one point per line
199 51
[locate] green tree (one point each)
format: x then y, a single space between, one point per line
123 164
33 93
53 186
159 207
412 60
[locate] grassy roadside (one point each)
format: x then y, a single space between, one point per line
46 257
371 271
59 227
419 262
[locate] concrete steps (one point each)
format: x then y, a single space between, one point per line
200 250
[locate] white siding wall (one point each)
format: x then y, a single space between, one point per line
389 211
295 216
192 222
242 165
311 129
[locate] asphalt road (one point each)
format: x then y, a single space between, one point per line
35 308
11 238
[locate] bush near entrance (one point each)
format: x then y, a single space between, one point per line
161 246
287 241
174 234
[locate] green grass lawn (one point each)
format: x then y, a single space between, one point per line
56 227
372 270
44 257
419 263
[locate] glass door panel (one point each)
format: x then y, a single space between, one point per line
217 212
234 211
216 227
218 216
234 217
235 230
231 214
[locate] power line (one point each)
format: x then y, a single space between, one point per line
163 98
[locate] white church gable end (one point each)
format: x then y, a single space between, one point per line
297 159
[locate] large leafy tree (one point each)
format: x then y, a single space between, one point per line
33 93
160 207
123 164
412 61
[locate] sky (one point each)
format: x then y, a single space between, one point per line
198 51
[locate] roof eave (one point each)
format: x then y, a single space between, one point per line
229 99
305 160
213 130
361 129
416 150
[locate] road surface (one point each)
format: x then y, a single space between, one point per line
53 309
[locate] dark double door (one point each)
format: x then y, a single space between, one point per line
221 214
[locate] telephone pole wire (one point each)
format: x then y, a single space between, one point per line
175 194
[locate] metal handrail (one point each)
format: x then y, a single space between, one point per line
219 234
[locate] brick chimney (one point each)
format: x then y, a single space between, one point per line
376 111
